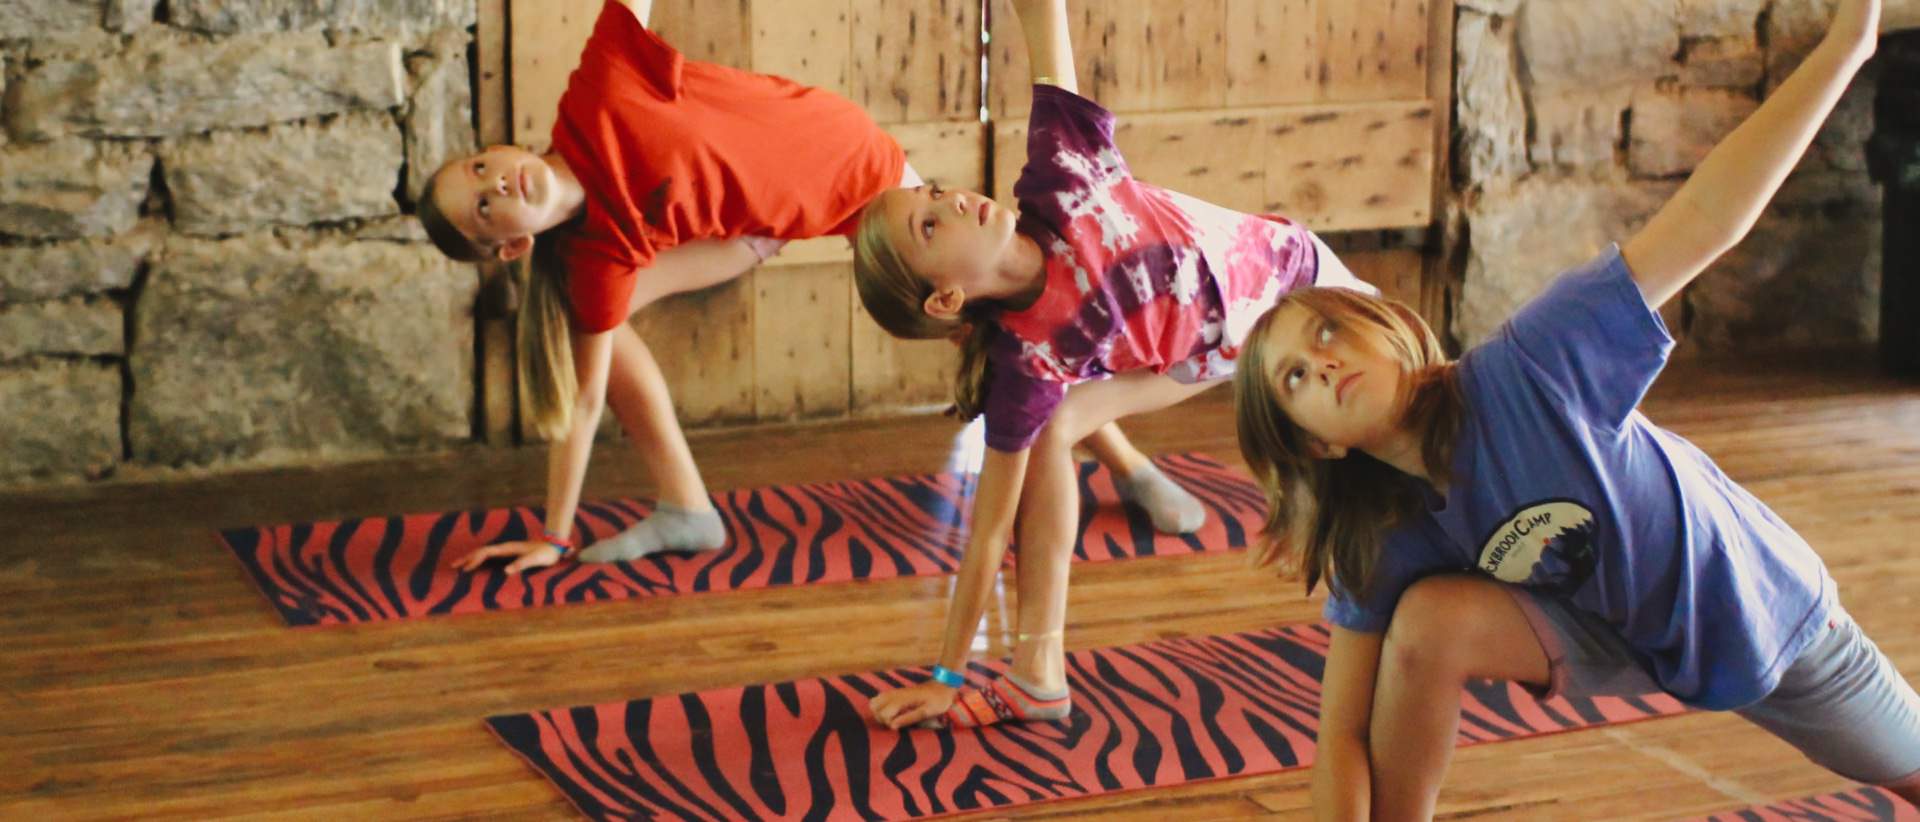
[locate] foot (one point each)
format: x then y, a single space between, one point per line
669 528
1004 700
1172 509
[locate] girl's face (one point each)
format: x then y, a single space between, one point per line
1339 384
499 195
952 238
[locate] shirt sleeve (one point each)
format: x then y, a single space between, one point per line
1018 406
1592 339
1406 555
1069 147
598 287
621 44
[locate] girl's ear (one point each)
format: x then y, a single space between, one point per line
515 248
945 303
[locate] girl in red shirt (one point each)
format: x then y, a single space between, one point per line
666 175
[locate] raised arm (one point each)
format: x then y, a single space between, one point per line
1049 49
1723 198
642 9
995 499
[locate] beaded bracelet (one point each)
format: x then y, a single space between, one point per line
559 543
947 677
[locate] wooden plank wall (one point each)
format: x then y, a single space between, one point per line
1329 111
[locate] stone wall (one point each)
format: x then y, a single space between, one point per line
1576 120
205 253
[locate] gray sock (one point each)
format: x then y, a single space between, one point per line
669 528
1172 509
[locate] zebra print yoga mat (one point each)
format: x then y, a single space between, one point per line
1144 716
368 570
1856 805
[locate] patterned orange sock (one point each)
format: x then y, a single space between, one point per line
1005 700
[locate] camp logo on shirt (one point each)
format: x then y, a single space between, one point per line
1547 545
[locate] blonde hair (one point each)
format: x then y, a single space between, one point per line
1326 519
896 296
543 344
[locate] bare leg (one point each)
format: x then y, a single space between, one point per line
1173 509
1445 631
1049 509
637 392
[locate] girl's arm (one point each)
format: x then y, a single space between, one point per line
1342 779
566 462
995 499
1049 48
567 458
641 9
1721 200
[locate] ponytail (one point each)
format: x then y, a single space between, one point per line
543 342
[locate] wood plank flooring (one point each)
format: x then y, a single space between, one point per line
142 676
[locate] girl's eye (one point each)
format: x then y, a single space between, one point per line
1294 377
935 190
1326 334
926 229
484 208
479 168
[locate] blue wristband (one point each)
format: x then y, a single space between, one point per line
947 678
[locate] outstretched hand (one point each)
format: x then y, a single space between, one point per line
912 705
526 554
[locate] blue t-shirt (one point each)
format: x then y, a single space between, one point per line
1559 484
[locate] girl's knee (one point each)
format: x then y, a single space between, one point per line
1431 623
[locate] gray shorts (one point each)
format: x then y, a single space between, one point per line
1841 702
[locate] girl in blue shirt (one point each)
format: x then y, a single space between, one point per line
1601 554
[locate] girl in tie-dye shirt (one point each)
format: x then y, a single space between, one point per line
1101 297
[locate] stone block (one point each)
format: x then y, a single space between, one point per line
1674 129
71 188
58 420
1723 62
1519 240
1574 44
169 84
402 18
1579 131
1800 279
1720 18
20 19
73 327
45 271
440 113
292 174
314 348
1490 110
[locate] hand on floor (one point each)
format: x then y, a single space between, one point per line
527 555
912 705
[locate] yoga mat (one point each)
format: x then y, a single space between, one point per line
1856 805
368 570
1163 713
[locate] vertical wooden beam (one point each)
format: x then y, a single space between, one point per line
806 41
916 62
545 39
1273 51
494 333
1445 245
801 362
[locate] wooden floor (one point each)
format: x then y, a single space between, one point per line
142 676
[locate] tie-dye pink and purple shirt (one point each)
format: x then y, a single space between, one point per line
1137 276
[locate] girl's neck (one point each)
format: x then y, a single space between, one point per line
1403 449
573 196
1022 273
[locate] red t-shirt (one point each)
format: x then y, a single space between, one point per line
671 150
